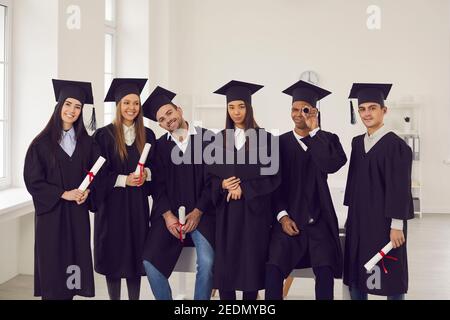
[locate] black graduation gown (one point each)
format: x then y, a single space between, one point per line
177 185
378 190
242 226
122 219
150 138
62 228
305 195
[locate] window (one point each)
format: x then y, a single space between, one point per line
110 37
5 178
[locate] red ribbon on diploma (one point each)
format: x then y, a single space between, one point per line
383 255
181 231
141 171
91 176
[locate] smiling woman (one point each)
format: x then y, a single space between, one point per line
55 164
70 112
122 218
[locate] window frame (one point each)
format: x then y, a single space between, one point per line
110 29
6 181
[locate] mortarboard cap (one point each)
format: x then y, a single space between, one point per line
158 98
368 92
82 91
238 90
305 91
121 87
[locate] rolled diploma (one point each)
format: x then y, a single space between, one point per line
143 158
182 217
372 262
95 169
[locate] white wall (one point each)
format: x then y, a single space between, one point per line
272 43
34 30
135 24
81 52
34 63
132 39
44 48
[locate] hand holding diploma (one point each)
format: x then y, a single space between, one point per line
172 223
84 197
182 222
192 220
380 256
91 174
140 167
397 238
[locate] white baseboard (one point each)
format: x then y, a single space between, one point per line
437 210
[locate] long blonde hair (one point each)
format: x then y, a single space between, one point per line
139 127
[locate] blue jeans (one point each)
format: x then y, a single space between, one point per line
356 294
203 281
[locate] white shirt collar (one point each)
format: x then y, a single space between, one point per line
191 131
70 133
299 140
374 138
238 131
377 134
183 144
239 138
129 134
297 135
126 128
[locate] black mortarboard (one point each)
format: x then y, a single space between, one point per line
121 87
82 91
238 90
368 92
305 91
158 98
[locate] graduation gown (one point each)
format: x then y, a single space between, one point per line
305 195
176 185
242 226
378 190
62 228
122 219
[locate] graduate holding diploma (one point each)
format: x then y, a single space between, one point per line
179 183
57 161
379 200
122 219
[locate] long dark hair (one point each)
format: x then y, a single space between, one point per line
249 122
54 127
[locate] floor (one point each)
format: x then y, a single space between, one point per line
429 270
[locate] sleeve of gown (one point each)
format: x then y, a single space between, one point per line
350 178
204 203
279 196
95 154
108 177
279 202
151 138
253 188
161 203
217 194
45 195
326 151
398 198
